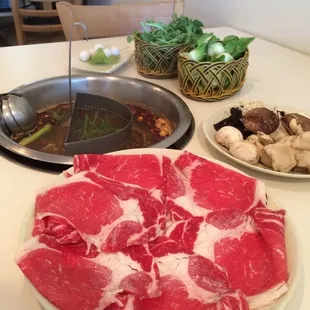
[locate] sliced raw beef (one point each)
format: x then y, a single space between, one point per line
175 297
73 282
198 186
199 234
256 263
146 233
190 281
99 211
251 249
143 170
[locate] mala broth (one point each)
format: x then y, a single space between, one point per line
147 128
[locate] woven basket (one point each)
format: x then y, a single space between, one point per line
211 81
157 62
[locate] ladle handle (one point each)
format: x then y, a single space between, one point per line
70 44
7 94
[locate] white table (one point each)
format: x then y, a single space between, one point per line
276 75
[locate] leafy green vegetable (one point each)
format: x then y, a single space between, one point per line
100 58
236 47
225 57
213 49
198 53
209 47
207 38
230 38
92 126
59 115
181 30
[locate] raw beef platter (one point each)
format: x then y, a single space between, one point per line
150 232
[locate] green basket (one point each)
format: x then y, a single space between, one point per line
211 81
157 62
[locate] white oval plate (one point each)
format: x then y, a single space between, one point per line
293 248
126 54
210 132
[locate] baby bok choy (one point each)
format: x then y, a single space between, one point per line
210 48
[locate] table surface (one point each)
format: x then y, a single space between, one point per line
276 75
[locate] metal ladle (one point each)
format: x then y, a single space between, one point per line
70 48
17 114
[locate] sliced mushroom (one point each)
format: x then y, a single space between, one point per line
302 141
282 156
245 151
252 139
288 139
265 158
279 134
264 139
303 160
295 122
261 120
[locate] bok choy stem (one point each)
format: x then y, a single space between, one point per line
35 136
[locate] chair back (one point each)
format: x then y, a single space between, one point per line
21 28
111 20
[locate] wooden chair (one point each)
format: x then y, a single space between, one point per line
111 20
21 28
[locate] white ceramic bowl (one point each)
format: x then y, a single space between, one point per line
292 241
210 133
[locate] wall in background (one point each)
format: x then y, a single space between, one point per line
284 22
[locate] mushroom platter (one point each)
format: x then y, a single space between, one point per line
272 140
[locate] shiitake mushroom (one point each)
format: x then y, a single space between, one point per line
301 120
261 120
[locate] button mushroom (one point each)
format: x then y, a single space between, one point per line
245 151
228 135
282 156
261 120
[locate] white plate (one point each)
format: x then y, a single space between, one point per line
292 241
125 55
210 132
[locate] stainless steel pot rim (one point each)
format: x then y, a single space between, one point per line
185 119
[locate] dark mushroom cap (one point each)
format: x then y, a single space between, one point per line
301 120
261 119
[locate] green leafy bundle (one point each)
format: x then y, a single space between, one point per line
100 58
210 48
181 30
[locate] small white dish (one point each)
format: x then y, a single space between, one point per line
210 133
126 54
